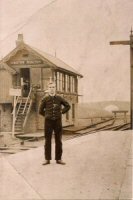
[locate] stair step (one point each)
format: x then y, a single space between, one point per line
19 123
18 119
24 104
23 109
18 130
18 126
19 113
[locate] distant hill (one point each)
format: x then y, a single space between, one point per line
98 109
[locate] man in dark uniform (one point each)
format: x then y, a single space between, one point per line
51 108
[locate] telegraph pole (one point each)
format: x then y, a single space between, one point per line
129 42
131 75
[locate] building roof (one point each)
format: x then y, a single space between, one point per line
4 65
56 61
53 61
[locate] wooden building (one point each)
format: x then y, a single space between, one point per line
27 70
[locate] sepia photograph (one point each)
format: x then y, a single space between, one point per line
66 99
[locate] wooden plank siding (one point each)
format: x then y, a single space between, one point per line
6 117
5 85
35 76
46 77
27 64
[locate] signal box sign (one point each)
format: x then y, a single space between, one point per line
14 92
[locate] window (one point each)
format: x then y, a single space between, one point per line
75 84
60 77
68 83
63 82
71 84
54 76
58 81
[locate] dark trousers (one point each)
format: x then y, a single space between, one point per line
50 126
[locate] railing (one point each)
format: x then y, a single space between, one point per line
25 120
14 113
25 107
27 100
15 103
19 106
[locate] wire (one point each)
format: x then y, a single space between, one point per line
27 21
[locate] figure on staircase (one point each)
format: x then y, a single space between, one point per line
26 88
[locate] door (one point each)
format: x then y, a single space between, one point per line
25 77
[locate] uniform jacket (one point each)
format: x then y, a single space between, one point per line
51 107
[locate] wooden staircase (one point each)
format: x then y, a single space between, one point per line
22 110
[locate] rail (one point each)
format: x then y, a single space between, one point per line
19 107
27 100
15 103
14 113
27 113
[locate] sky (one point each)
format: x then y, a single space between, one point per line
79 31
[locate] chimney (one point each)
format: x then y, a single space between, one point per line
19 41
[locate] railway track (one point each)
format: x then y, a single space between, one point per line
23 144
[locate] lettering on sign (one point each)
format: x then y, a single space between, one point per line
14 92
26 62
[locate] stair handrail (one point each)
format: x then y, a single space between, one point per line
16 98
19 107
27 113
27 100
16 101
